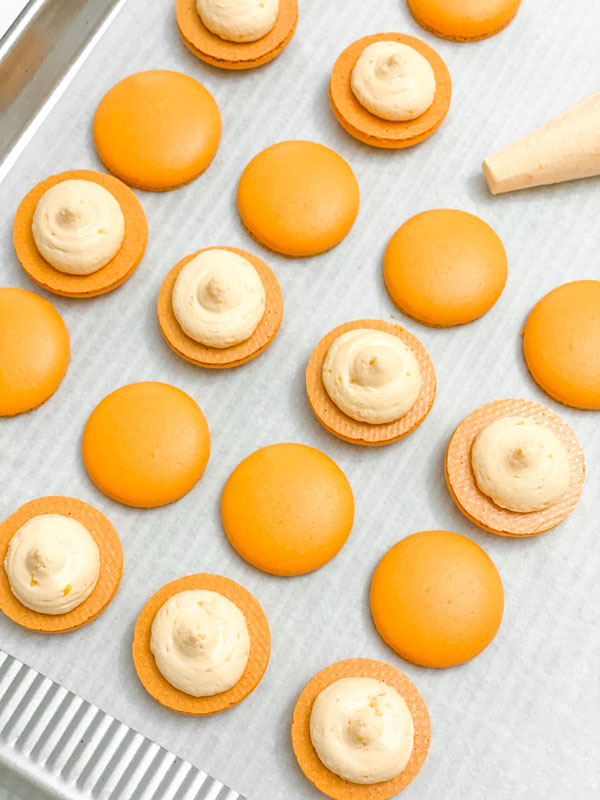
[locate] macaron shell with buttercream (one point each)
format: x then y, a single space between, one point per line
211 48
366 433
260 647
481 509
108 277
372 130
311 765
214 357
111 565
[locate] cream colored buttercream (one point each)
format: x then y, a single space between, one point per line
200 642
520 464
238 20
371 376
218 298
78 226
362 730
52 564
393 81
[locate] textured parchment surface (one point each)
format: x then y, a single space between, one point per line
522 720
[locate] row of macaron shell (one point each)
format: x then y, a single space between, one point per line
232 38
419 561
442 267
299 485
35 355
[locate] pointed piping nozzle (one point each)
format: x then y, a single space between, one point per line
564 149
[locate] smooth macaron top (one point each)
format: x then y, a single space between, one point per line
437 598
561 343
298 198
464 20
146 444
287 509
445 267
34 350
157 130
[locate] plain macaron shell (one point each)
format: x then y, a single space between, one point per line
157 130
287 509
464 20
445 267
34 350
146 444
298 198
437 598
561 343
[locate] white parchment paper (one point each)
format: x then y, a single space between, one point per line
521 720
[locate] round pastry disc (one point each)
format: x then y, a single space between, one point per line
481 509
366 433
34 350
464 20
367 127
108 277
217 357
260 646
209 47
146 444
437 599
111 565
323 778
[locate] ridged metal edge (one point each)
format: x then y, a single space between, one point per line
55 744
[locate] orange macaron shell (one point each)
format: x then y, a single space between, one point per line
108 277
219 52
221 357
111 565
311 765
437 599
464 20
366 433
371 129
157 130
561 344
298 198
34 350
287 509
445 267
146 444
481 509
260 647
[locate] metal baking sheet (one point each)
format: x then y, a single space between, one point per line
519 721
55 744
39 52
